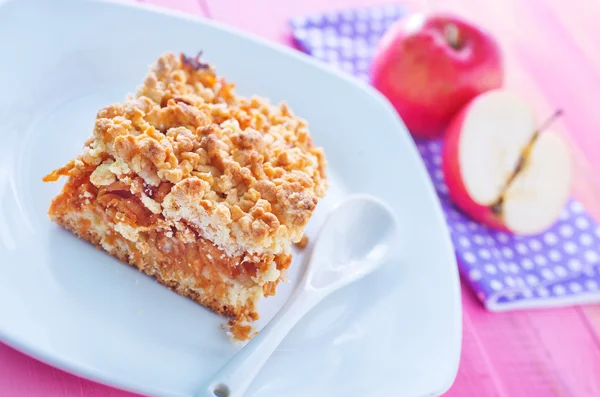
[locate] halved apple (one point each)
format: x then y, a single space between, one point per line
501 170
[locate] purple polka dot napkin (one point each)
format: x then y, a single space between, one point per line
558 267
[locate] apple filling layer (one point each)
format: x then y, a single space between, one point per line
116 221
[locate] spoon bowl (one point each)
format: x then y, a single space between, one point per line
354 241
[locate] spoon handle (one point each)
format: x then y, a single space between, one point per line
234 378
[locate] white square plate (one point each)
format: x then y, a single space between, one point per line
396 332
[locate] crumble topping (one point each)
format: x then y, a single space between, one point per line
242 172
303 242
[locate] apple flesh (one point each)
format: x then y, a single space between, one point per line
429 67
500 170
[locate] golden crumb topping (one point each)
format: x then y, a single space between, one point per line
243 172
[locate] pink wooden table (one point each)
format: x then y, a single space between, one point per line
553 56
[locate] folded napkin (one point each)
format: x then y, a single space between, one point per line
558 267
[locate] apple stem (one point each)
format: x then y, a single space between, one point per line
557 113
497 207
452 36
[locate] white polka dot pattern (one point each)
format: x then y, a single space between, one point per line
560 263
352 35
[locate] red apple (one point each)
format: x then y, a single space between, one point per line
501 170
429 67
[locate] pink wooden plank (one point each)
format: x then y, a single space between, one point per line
578 363
22 376
567 79
476 376
518 361
269 18
578 20
529 353
591 315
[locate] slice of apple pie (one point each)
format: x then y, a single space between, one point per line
199 187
